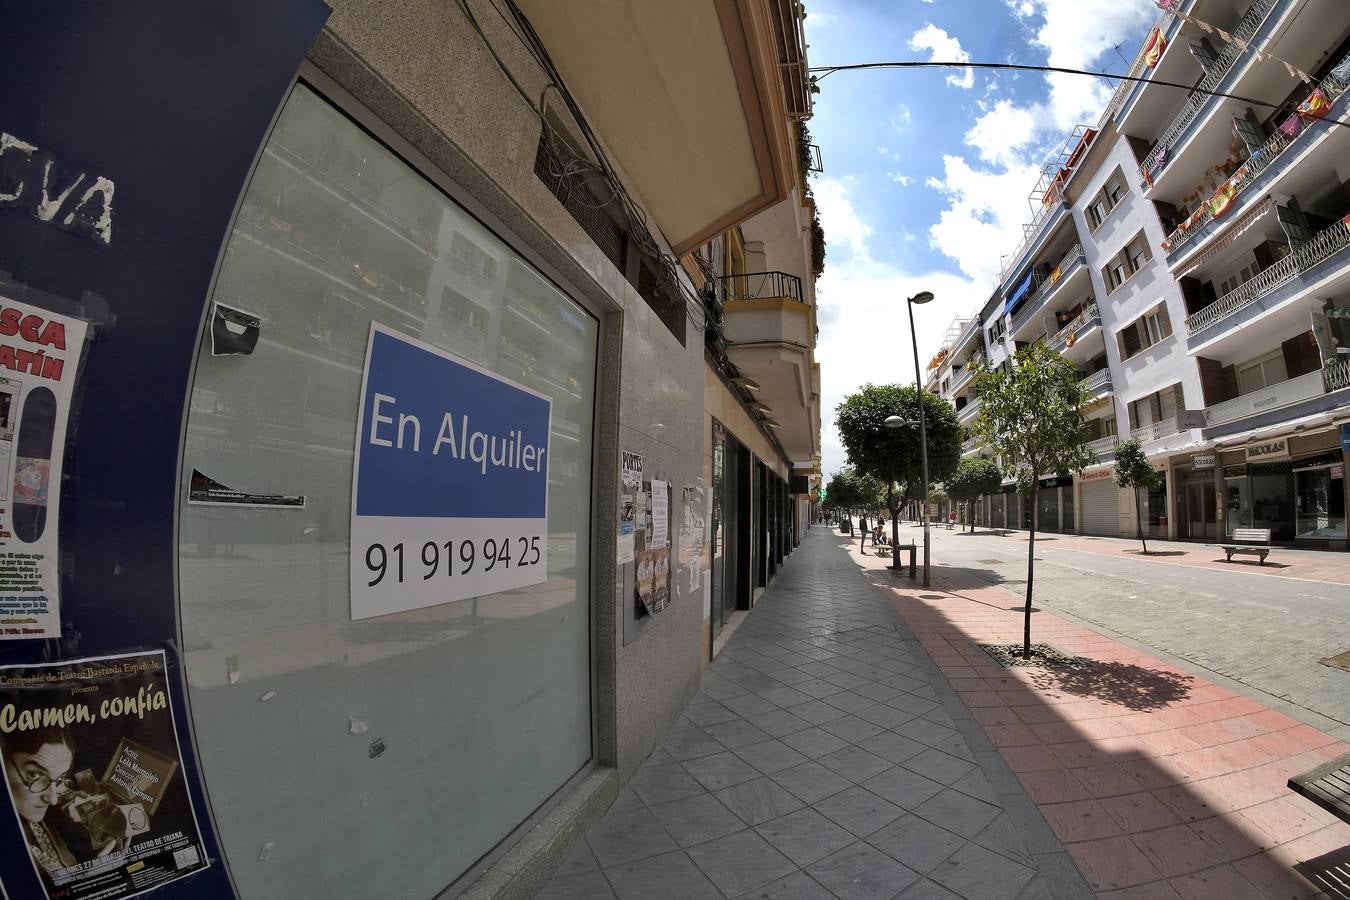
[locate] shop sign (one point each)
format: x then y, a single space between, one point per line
39 358
1202 461
1056 482
1268 450
1337 471
1235 471
1096 475
450 482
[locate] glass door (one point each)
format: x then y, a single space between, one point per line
1319 504
1237 499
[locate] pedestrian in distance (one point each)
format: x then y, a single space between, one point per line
863 533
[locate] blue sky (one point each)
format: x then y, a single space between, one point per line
927 171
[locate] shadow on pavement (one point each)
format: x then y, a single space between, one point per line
1156 553
1124 684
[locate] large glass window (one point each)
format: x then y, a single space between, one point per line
1320 503
382 757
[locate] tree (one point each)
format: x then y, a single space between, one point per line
893 454
1134 471
975 477
1031 418
848 490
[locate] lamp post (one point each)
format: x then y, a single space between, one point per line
921 297
892 423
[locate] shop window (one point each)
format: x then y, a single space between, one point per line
1319 502
382 756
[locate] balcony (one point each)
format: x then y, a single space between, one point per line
1321 247
1103 445
1157 430
1068 267
961 378
762 286
1284 393
966 414
1082 324
1264 159
1198 101
1336 376
1097 383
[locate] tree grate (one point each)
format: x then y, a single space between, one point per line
1009 656
1339 661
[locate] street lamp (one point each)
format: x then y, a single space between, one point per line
921 297
893 423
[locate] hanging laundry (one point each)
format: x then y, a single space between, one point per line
1223 199
1291 127
1316 106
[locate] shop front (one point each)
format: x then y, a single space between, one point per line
1197 497
1293 485
1099 502
1054 505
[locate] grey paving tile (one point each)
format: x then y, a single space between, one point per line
883 715
917 843
719 688
1001 837
847 680
708 713
662 784
876 690
785 696
938 766
962 747
805 836
696 819
815 742
737 733
659 757
583 886
925 731
759 801
927 890
979 874
799 886
626 799
1061 876
858 810
956 812
581 859
820 668
746 706
740 862
779 723
852 729
672 876
770 756
891 746
902 787
976 785
688 742
720 770
817 712
819 687
628 836
854 763
810 781
912 703
850 702
862 872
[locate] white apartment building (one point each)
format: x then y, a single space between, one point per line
1190 254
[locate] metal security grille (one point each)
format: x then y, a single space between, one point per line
570 187
1100 507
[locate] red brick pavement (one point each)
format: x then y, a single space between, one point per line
1160 783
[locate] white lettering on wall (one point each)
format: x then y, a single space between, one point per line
32 179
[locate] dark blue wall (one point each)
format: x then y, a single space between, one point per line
170 99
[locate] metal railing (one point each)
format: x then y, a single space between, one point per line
1319 248
1201 97
1336 376
1097 381
968 411
1088 318
1104 444
960 379
1274 396
763 286
1067 266
1136 68
1031 229
1160 429
1261 159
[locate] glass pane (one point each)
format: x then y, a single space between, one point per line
377 758
1320 505
1238 505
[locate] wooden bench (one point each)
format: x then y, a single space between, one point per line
1252 541
1328 786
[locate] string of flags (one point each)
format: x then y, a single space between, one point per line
1173 7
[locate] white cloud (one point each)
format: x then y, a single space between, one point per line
900 179
943 47
984 216
814 19
900 119
1001 133
864 327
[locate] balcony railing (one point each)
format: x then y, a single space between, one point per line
1066 267
1319 248
1336 376
1201 97
1284 393
967 412
763 286
1097 382
960 378
1156 430
1033 228
1261 159
1104 444
1067 336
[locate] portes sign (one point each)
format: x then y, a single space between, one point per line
450 483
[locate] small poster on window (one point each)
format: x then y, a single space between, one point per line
92 761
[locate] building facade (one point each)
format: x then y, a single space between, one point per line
1190 255
430 393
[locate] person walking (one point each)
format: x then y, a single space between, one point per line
863 534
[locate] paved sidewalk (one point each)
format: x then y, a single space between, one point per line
1160 783
824 756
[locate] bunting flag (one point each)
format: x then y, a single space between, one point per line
1154 47
1172 8
1316 106
1223 199
1055 275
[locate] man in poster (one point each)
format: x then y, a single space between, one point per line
90 758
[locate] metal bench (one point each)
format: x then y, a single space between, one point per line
1328 786
911 548
1251 541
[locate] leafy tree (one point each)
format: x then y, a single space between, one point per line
848 490
893 454
1134 471
1031 418
975 477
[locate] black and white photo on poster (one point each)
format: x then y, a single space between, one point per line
92 762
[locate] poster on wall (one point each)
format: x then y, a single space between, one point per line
660 531
39 359
450 481
692 521
630 485
91 761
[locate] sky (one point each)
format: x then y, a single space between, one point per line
927 171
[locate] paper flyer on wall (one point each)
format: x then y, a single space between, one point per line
692 521
660 534
91 759
39 360
630 486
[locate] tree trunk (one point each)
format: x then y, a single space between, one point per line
1031 562
1139 521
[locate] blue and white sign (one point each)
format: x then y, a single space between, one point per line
450 482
